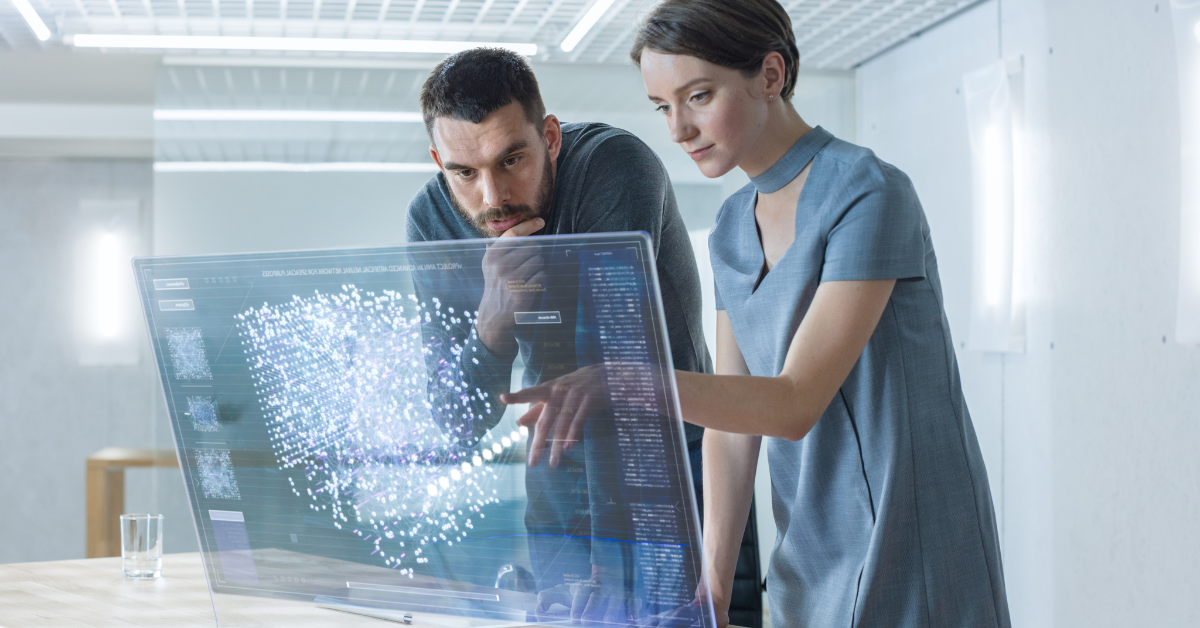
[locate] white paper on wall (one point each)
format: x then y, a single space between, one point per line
108 321
1186 17
990 127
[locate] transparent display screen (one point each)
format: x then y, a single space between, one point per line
345 446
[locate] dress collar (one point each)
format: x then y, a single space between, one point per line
792 161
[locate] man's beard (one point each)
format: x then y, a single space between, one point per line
540 208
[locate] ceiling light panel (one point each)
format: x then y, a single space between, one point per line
32 19
833 34
324 89
308 115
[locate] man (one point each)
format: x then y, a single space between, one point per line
507 169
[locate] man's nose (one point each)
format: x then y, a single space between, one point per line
495 190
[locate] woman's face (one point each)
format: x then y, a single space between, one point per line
715 114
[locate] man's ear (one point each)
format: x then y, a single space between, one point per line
552 131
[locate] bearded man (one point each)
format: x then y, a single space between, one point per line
508 170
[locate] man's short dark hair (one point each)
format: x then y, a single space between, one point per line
471 84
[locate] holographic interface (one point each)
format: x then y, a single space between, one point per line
346 446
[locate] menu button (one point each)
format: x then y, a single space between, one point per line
538 318
171 284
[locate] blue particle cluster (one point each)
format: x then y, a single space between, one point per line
186 346
216 474
371 418
203 411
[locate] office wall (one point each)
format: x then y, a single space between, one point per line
1090 434
235 212
53 412
56 104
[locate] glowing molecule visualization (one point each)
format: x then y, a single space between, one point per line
216 474
186 345
371 419
204 414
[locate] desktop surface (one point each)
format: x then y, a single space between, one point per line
92 592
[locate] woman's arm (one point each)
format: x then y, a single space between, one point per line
840 321
836 328
730 461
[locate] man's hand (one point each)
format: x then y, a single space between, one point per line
597 602
513 281
561 409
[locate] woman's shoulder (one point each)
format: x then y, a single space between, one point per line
725 241
732 209
740 201
858 169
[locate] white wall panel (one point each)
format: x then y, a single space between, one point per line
53 412
1095 425
234 212
1126 471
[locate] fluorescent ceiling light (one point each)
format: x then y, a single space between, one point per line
34 20
589 20
277 166
306 62
1196 31
306 44
285 115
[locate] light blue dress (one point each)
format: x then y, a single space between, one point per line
884 513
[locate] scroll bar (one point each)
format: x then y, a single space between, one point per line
387 588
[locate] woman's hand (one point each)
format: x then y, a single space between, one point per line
563 406
720 603
561 409
690 614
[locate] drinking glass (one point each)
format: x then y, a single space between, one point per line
141 545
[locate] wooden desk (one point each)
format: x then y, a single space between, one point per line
93 593
106 493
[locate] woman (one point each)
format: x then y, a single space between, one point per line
831 341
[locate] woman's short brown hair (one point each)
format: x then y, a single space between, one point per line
736 34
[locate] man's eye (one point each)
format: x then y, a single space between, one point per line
464 174
511 161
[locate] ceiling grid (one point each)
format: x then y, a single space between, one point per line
831 34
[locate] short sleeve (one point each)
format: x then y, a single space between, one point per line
625 188
716 239
881 233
